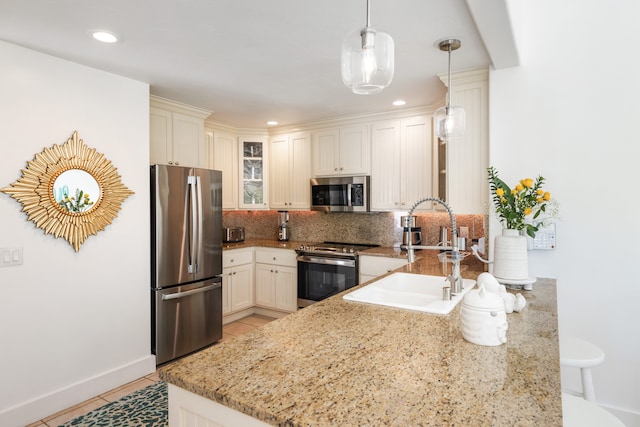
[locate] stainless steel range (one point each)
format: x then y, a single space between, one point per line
325 269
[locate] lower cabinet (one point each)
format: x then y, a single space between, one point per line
237 280
375 266
276 279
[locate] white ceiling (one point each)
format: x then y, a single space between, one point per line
250 61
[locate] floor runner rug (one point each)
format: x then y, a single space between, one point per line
146 407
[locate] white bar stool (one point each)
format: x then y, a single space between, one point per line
578 353
577 412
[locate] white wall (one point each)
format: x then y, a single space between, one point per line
570 112
72 325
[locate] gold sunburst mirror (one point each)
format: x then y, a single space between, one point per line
70 191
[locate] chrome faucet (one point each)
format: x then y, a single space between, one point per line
454 278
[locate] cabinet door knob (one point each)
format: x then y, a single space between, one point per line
177 163
274 258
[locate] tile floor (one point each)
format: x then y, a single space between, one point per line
229 331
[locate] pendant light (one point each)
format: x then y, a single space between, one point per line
450 119
367 60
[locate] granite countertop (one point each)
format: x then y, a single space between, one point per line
346 363
266 243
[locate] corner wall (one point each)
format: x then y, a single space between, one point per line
569 113
73 324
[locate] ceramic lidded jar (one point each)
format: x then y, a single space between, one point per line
483 317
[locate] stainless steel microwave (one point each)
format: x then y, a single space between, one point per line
340 194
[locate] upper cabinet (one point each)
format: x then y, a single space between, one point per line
290 171
254 170
222 154
342 151
467 158
401 163
176 133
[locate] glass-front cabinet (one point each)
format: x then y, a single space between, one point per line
253 173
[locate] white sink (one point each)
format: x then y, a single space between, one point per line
417 292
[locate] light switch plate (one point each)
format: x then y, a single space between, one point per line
10 256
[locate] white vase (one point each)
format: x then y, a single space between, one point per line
510 259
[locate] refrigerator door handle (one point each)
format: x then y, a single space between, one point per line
193 221
179 295
199 246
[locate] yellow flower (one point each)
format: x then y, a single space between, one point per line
528 182
499 192
539 192
519 187
540 199
547 196
514 191
527 211
503 200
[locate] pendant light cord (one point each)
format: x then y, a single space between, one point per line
448 79
368 21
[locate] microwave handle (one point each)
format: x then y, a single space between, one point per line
349 195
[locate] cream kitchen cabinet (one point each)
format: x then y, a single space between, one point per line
342 151
290 171
222 153
176 134
401 163
254 170
375 266
237 280
276 279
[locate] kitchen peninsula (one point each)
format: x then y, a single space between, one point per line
350 364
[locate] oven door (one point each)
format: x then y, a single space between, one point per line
319 277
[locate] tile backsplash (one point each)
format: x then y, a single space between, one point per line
380 228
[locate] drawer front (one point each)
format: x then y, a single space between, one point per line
377 266
285 257
234 257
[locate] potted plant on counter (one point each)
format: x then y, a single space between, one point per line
519 210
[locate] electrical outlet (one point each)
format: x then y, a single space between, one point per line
10 256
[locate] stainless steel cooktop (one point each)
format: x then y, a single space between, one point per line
333 248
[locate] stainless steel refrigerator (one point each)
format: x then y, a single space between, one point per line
186 260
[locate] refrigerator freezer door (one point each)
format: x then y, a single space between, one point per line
186 318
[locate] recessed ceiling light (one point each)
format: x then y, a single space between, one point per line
104 36
272 123
399 103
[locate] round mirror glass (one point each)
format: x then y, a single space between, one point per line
76 191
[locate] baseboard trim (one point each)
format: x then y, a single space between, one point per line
72 394
629 417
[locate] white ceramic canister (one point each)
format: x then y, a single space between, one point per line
483 317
